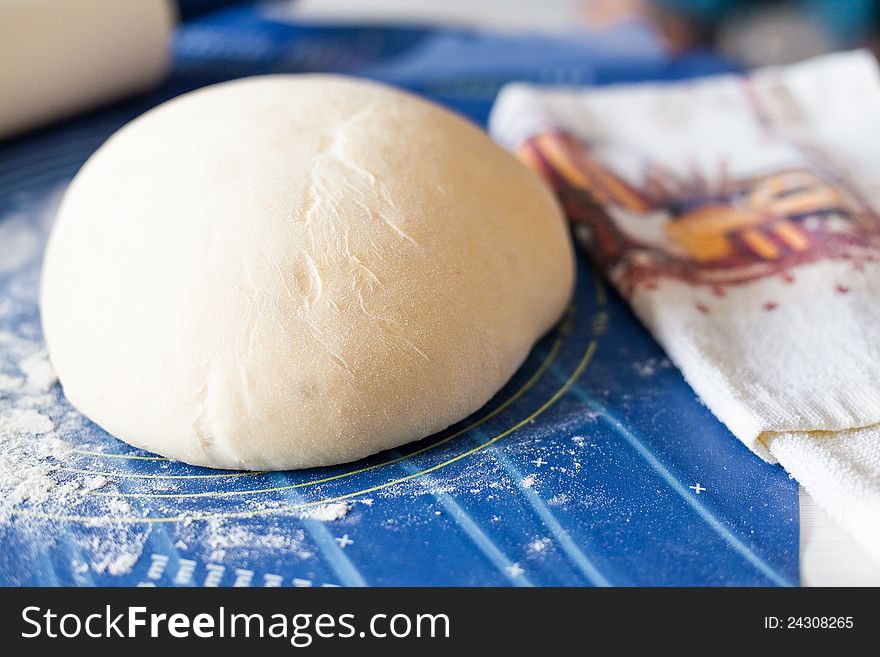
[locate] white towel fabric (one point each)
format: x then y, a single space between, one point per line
739 217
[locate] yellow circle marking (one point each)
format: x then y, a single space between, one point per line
588 355
564 328
554 351
132 457
128 475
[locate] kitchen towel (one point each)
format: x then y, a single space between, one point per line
739 217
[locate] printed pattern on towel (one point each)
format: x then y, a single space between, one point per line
708 228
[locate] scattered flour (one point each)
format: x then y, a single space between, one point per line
32 454
94 482
118 564
651 366
119 507
539 545
52 447
28 484
19 241
222 537
114 549
7 306
27 421
560 499
10 382
327 512
38 370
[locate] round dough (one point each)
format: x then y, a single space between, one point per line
294 271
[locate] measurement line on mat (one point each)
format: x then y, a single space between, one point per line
551 356
334 554
729 537
563 389
134 475
501 561
581 561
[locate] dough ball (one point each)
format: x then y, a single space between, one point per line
294 271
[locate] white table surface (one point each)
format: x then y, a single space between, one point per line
829 557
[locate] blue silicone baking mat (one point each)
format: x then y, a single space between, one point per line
595 465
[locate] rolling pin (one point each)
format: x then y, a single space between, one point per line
58 57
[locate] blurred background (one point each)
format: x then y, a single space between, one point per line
60 57
753 32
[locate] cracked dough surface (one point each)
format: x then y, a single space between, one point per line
293 271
